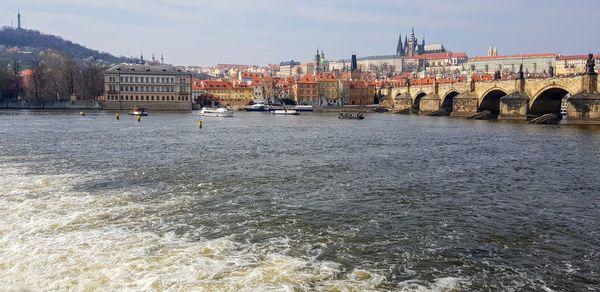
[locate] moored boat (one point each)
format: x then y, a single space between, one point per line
286 112
138 111
351 116
258 107
303 108
216 112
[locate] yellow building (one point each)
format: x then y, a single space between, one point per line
328 90
227 93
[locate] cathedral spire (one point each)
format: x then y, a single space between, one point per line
400 47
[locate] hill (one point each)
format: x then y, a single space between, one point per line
25 45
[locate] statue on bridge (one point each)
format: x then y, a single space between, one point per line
590 64
521 75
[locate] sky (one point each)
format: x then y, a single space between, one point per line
199 32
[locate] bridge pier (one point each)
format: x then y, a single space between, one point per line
402 103
429 104
464 105
514 107
583 108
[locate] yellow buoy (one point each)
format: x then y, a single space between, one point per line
117 115
200 124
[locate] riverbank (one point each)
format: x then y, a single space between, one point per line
53 105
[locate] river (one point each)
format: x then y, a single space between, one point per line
309 202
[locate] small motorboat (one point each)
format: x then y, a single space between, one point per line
351 116
138 111
286 112
216 112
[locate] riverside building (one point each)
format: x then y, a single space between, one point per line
153 86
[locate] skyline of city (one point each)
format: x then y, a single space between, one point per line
266 33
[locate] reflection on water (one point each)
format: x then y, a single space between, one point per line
306 202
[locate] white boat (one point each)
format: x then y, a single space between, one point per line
216 112
304 108
285 112
258 107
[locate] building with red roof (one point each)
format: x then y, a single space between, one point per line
305 91
532 63
233 94
574 64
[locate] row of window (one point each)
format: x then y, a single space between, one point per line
148 98
306 91
142 79
147 88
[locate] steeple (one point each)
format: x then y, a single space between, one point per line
412 34
18 19
153 59
162 60
399 48
490 51
141 58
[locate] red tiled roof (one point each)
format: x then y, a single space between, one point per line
577 57
307 79
436 56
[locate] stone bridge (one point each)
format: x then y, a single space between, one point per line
507 99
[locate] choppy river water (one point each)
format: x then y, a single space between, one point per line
258 202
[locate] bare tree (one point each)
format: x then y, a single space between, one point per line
39 84
91 82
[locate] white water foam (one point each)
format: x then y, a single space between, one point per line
53 237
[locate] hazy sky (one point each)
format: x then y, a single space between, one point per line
269 31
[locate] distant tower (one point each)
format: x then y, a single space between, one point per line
141 58
400 47
354 65
317 58
162 60
18 19
153 59
412 44
492 51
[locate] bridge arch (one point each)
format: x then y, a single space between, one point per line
490 101
549 100
448 101
417 101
